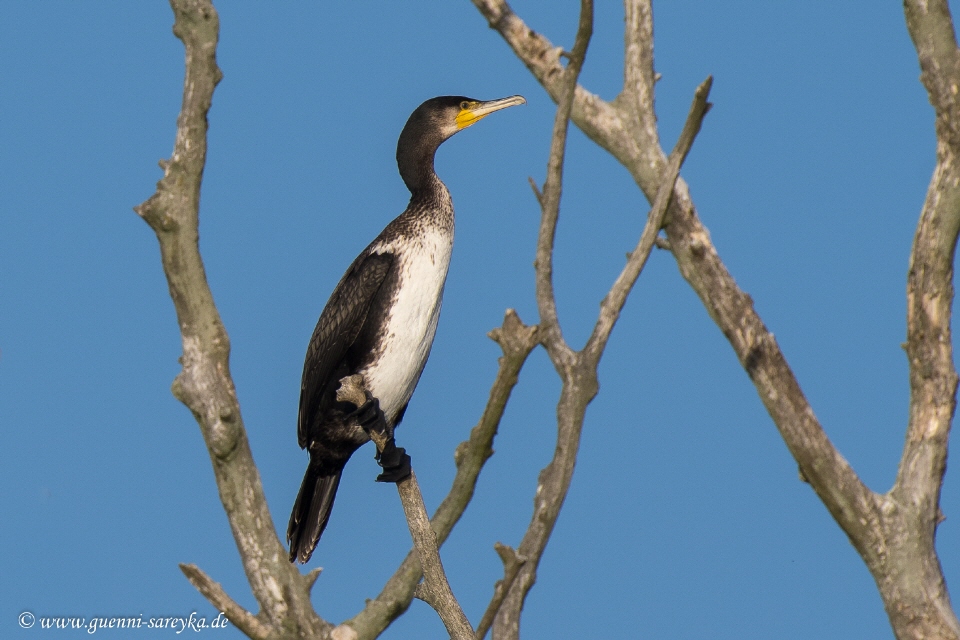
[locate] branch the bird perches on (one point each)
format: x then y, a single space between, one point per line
435 589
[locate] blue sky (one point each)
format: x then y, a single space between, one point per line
686 518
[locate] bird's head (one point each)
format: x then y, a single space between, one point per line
446 115
436 120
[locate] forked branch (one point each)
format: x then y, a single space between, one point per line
577 369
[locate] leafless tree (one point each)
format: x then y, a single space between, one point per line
893 532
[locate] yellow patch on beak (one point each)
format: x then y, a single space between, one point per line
468 115
472 111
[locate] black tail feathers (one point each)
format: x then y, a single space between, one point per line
311 512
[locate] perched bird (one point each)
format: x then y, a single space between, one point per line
379 323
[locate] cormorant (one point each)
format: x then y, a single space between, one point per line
379 323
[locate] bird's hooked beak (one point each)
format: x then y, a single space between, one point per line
472 111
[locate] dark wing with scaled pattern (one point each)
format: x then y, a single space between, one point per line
337 329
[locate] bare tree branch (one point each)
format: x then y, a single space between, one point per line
435 589
578 370
212 591
912 505
595 117
930 281
204 384
549 198
639 77
614 300
511 566
841 490
931 29
851 503
579 386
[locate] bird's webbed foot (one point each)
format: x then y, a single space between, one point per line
395 462
370 417
393 459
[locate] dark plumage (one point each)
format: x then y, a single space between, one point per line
380 322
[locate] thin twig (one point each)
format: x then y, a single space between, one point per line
551 336
536 191
212 591
511 567
311 577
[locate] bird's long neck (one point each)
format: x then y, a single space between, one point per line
416 149
427 191
416 166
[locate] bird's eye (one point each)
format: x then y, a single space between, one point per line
464 104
